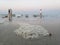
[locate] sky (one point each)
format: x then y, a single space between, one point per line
29 4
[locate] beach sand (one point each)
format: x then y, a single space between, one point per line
8 37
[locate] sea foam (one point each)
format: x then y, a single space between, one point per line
29 31
1 20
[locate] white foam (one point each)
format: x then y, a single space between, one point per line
1 21
31 31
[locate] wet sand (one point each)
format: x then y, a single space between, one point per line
8 37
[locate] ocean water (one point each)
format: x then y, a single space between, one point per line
46 17
11 39
47 14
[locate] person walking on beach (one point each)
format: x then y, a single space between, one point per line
10 14
40 13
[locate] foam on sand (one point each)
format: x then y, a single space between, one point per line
1 20
31 31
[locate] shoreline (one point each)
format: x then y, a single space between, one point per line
7 37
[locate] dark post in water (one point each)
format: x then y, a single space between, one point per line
10 14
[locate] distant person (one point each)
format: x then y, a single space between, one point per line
10 14
41 13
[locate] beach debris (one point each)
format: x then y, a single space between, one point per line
5 17
50 34
35 15
29 31
26 16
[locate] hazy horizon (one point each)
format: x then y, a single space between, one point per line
36 11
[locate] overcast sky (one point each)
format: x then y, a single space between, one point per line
29 4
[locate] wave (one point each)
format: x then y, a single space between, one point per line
28 31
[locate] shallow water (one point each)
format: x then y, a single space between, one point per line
8 37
